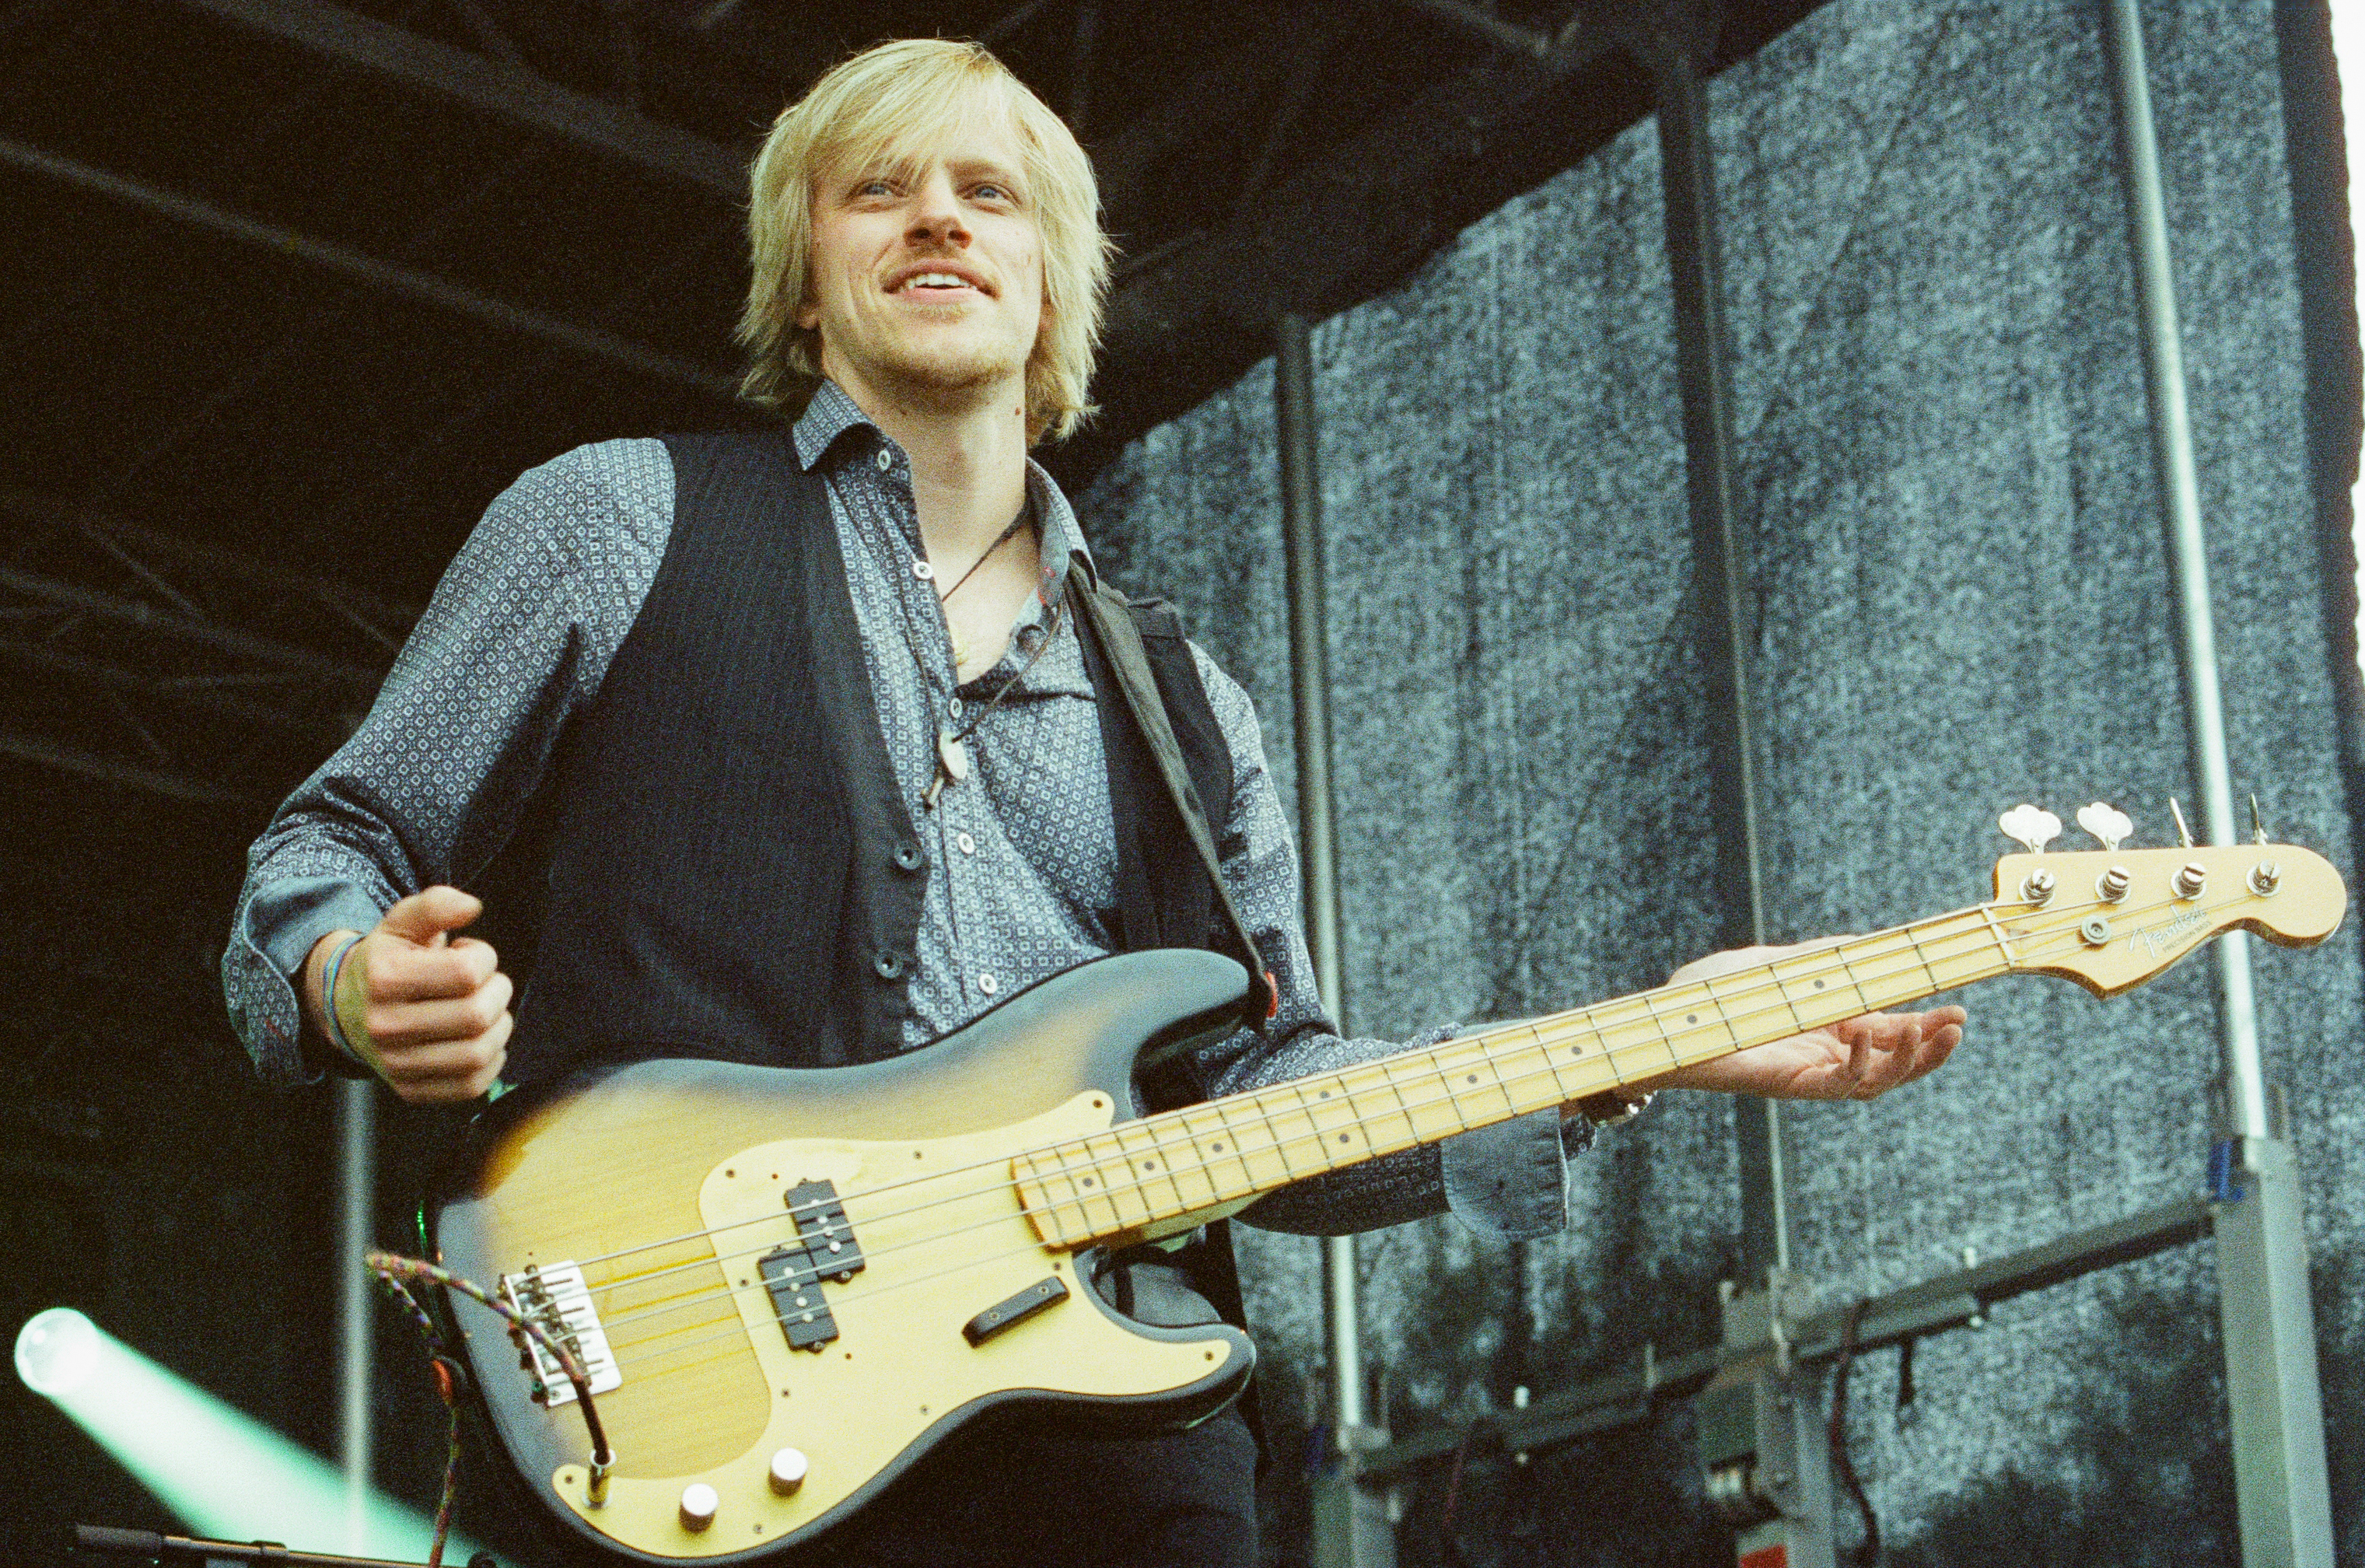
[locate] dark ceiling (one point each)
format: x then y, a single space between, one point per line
292 289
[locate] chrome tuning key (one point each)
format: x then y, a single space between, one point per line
2110 826
2257 828
2036 888
2031 826
2183 834
2191 881
2114 885
2265 878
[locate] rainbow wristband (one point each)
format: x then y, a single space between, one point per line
329 999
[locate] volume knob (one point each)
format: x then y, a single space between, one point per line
788 1470
698 1505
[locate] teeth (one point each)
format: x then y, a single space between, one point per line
936 280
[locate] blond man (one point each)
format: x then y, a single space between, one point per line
792 748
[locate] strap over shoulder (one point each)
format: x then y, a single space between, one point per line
1120 627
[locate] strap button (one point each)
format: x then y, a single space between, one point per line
909 857
889 964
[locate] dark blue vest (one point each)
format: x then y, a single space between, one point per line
731 870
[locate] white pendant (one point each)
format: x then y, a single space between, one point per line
952 756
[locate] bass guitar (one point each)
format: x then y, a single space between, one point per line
784 1286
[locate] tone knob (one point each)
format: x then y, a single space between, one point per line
788 1470
698 1505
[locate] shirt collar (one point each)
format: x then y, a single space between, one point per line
831 415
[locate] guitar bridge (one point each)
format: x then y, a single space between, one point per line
824 1249
558 1301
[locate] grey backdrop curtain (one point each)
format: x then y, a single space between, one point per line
1960 601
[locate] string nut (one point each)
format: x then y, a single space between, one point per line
2265 878
2190 881
2114 885
2037 887
699 1503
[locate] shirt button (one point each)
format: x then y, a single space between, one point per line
967 845
954 708
886 460
924 571
988 984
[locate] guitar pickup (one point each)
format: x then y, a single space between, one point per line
558 1300
824 1249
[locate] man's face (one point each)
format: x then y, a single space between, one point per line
927 273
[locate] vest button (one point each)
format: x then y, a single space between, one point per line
889 964
908 856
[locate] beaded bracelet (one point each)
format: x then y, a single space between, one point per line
328 997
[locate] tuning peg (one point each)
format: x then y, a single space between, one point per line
2183 834
2108 825
2257 828
2031 826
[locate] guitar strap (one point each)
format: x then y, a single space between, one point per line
1109 619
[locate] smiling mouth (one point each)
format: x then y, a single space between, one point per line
925 283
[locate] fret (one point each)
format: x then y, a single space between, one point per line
1278 1147
1552 1063
2004 947
1222 1145
1913 941
1190 1173
1094 1181
1404 1108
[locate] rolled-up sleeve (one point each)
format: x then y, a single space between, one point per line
517 637
1508 1180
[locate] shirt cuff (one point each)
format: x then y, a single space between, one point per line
277 930
1510 1181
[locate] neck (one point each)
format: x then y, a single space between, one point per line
1164 1174
967 448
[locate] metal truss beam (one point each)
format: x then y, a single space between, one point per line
500 87
1956 1300
368 270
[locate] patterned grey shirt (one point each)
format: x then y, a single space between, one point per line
1021 882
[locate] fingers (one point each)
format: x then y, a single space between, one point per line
1886 1049
400 970
447 1071
430 1013
428 914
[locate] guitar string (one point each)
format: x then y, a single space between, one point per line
737 1328
1458 1052
734 1327
1980 937
1467 1049
1456 1047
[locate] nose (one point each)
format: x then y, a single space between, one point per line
936 212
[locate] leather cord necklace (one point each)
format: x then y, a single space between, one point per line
952 744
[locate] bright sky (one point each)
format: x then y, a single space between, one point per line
2348 49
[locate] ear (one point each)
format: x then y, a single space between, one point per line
809 313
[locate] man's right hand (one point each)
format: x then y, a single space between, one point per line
424 1010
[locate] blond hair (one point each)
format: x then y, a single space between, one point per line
891 97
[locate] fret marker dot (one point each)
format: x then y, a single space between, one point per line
1819 985
1325 1094
1342 1138
1149 1165
1474 1078
1691 1017
1216 1148
1088 1181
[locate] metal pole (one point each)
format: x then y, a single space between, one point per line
1349 1527
1718 574
357 1196
2281 1486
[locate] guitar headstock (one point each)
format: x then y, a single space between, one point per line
2112 918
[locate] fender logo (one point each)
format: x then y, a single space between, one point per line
2168 934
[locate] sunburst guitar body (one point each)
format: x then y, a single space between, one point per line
799 1281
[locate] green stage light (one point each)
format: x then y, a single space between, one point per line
225 1474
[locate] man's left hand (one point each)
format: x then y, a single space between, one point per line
1856 1059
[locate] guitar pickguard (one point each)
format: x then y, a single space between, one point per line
942 1244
